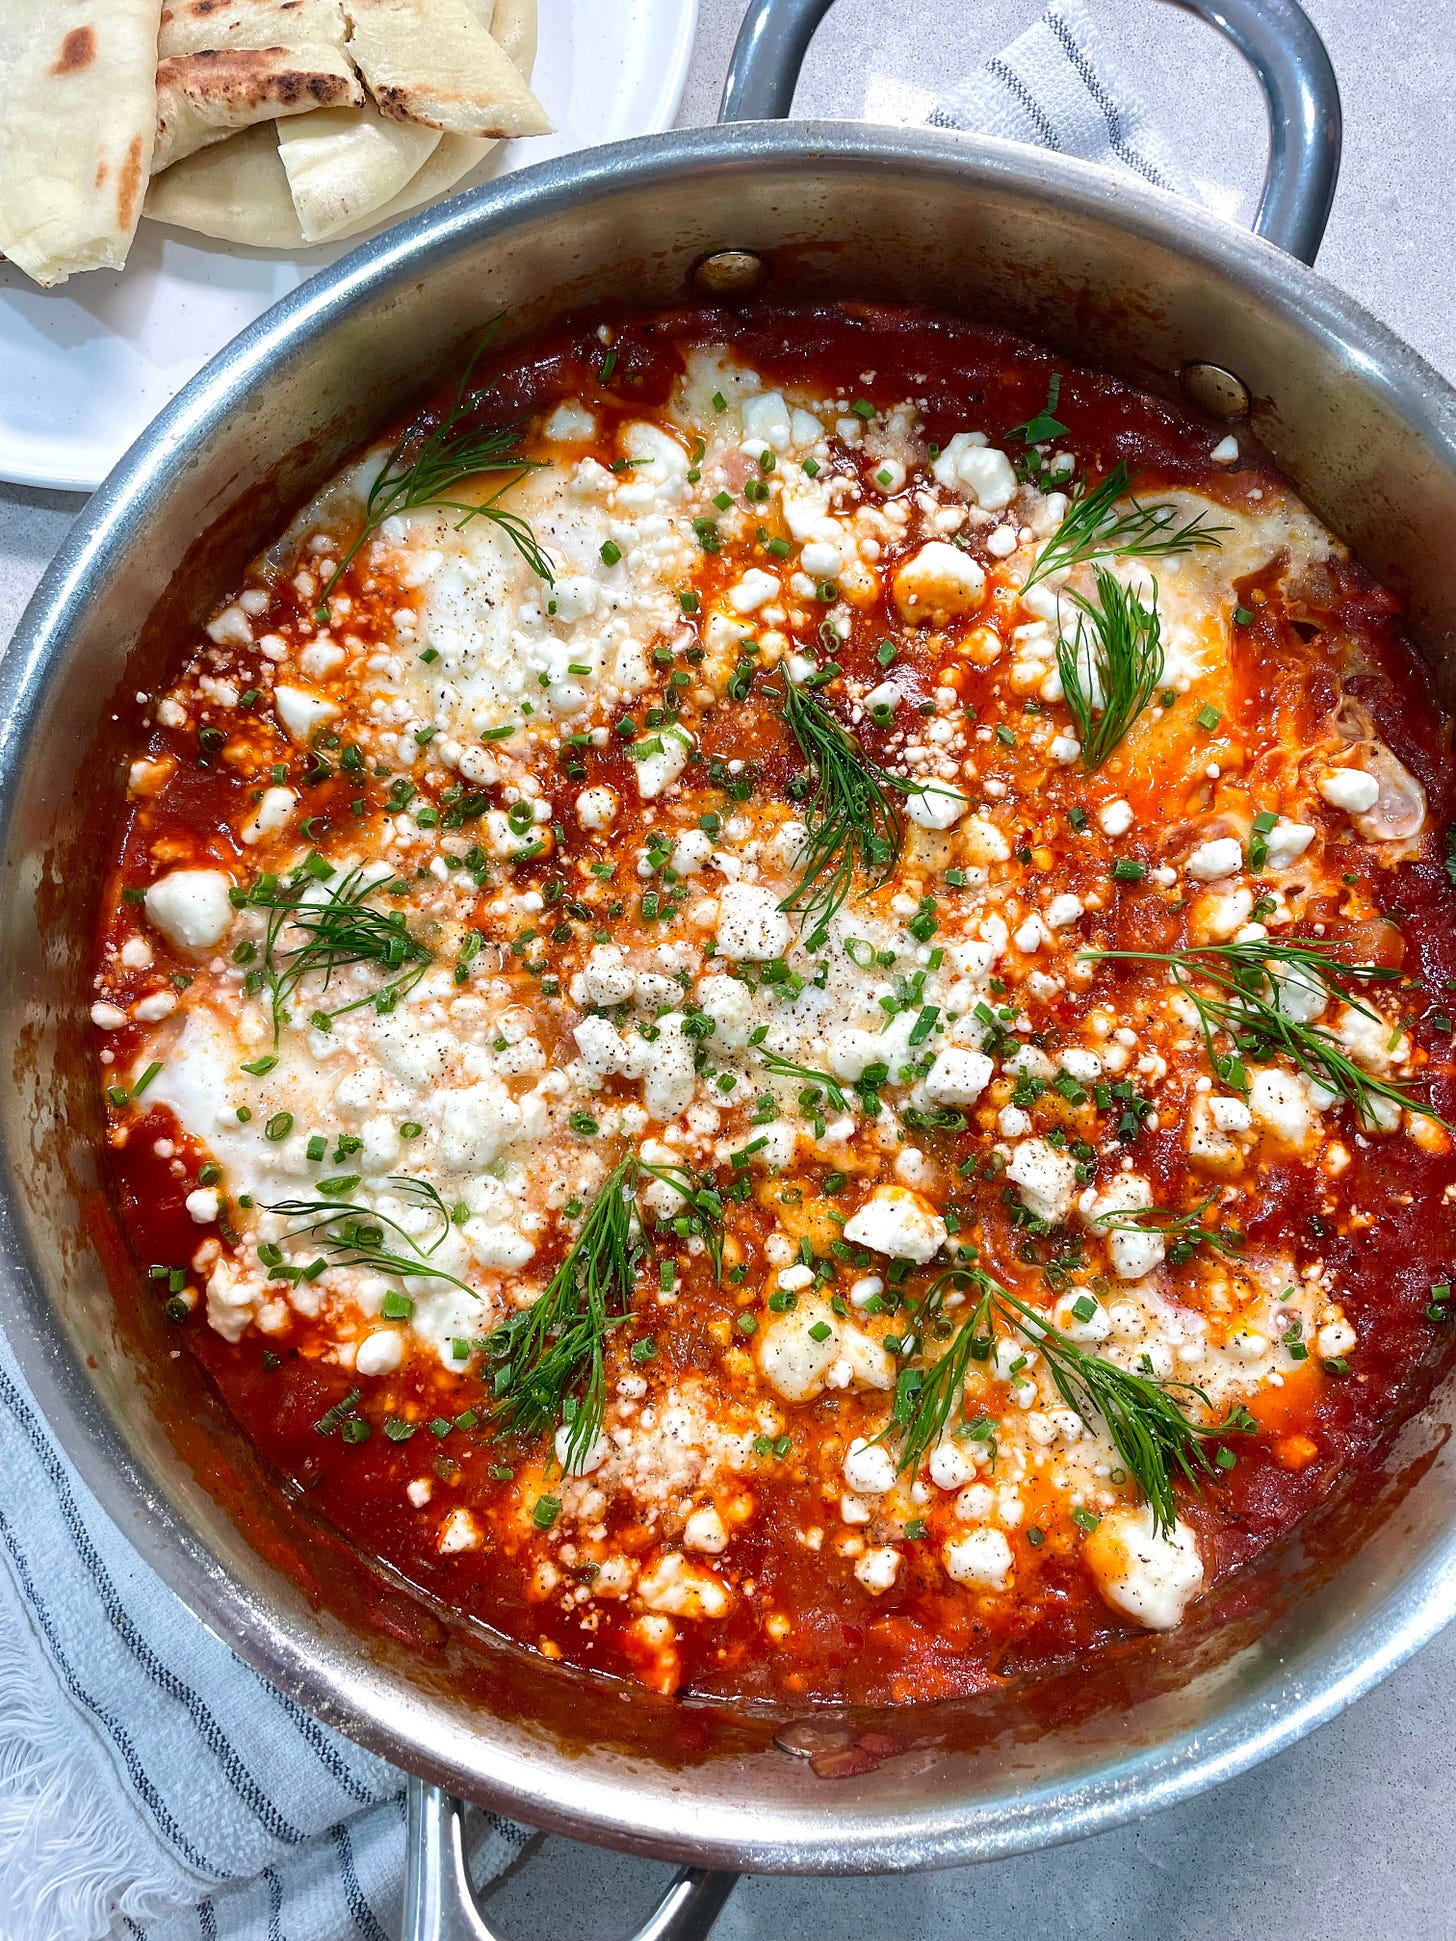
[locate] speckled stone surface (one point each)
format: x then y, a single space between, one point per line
1350 1833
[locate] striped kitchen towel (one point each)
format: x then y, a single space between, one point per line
152 1787
1054 87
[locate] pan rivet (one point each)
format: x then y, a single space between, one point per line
1215 390
729 272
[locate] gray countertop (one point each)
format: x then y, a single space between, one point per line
1349 1833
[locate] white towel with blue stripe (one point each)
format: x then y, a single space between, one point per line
152 1787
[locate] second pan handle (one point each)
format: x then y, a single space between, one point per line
1276 37
441 1905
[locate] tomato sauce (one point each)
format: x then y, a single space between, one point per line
1336 634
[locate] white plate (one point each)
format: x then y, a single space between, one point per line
85 367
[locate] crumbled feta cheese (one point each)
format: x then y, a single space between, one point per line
659 770
937 584
794 1356
301 712
1230 1115
273 812
869 1468
191 907
952 1464
982 1557
754 590
202 1205
1044 1177
1280 1102
1286 842
1115 818
1211 860
1132 1252
969 465
1149 1577
1063 910
896 1221
458 1532
230 628
958 1077
751 927
704 1531
1336 1338
1351 789
877 1569
729 1004
936 806
379 1353
596 808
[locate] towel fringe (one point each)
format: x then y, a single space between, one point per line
66 1839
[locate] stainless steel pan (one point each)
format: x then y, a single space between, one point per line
1110 273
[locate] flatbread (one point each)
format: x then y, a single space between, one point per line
456 156
202 98
77 124
198 26
512 26
344 163
431 61
238 191
235 190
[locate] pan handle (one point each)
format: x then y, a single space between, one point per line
1276 38
440 1903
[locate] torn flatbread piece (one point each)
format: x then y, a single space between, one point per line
512 25
205 97
78 119
344 163
202 26
237 191
431 61
234 190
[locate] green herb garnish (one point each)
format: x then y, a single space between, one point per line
1045 426
1245 1006
1111 667
1147 1423
548 1361
443 457
852 818
339 930
1094 529
1184 1231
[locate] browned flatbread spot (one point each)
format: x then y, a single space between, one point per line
251 77
78 50
133 181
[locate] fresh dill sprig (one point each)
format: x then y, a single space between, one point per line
1094 529
926 1398
355 1236
1147 1424
852 820
338 930
549 1359
1250 1013
444 456
1113 664
1184 1231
